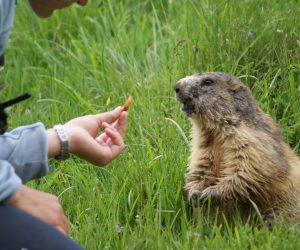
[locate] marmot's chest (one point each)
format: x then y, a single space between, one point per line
217 153
217 166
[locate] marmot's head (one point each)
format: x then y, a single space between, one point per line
216 96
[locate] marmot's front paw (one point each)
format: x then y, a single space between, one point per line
213 193
271 217
194 197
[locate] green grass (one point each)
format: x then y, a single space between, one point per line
89 60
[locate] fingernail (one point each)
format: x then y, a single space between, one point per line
104 124
121 120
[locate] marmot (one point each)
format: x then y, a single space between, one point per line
237 151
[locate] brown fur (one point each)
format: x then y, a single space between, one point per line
237 151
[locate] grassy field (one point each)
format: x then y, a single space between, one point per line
89 60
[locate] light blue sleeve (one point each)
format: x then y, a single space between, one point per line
7 11
23 156
9 180
23 151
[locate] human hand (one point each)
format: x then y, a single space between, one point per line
44 8
84 140
42 205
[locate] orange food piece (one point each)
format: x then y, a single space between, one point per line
127 103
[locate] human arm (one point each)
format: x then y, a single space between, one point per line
27 148
23 156
45 8
85 143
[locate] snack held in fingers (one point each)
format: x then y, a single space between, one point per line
127 103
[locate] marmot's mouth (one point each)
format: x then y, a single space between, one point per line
188 105
188 108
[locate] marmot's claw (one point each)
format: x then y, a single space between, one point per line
210 193
194 197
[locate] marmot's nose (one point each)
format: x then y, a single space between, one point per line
178 87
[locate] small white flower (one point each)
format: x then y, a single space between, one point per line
250 34
119 229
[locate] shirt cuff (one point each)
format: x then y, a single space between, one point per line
27 151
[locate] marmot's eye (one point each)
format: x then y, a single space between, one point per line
207 82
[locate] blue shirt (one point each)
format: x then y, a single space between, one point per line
23 151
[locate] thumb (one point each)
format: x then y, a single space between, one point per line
109 116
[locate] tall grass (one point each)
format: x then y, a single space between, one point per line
89 60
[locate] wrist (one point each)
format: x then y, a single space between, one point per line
13 200
58 142
53 143
64 142
72 134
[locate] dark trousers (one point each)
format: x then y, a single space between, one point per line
22 231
